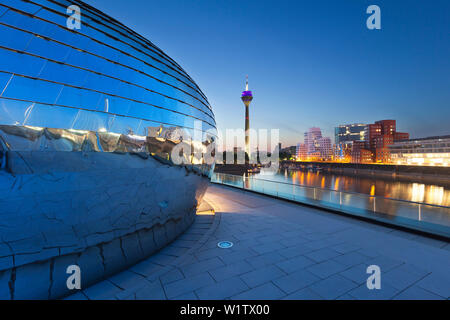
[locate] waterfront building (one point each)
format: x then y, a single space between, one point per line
312 137
302 152
432 151
342 152
360 154
88 121
315 147
325 148
379 136
346 133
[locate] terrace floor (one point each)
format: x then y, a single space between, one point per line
282 250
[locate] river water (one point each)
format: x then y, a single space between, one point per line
411 191
421 206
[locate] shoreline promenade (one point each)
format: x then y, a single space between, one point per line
282 250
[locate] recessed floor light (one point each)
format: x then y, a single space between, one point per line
225 244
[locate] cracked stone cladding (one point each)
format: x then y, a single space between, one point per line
100 211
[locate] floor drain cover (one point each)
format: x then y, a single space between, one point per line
225 244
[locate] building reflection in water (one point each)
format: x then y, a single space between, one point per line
417 192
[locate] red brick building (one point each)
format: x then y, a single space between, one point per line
360 154
377 139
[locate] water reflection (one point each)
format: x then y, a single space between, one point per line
418 192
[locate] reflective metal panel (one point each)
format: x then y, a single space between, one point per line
88 122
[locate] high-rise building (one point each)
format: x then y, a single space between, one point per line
325 148
360 154
379 136
301 152
315 147
247 97
312 137
349 132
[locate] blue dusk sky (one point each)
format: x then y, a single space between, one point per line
310 63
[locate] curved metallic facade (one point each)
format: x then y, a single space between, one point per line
88 121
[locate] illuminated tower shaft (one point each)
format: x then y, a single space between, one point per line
247 97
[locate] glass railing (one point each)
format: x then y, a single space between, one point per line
420 216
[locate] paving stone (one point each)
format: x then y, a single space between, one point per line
385 263
222 290
266 291
357 274
237 256
417 293
333 287
326 268
265 259
210 253
179 287
152 291
351 259
186 296
345 247
171 276
403 276
436 283
296 281
294 264
384 293
102 291
322 255
295 251
231 270
128 280
303 294
268 247
76 296
259 276
192 269
145 268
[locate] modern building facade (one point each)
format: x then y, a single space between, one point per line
431 151
315 146
89 118
378 137
346 133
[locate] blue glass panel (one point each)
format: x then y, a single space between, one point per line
50 116
14 39
21 5
48 49
20 63
53 17
13 112
64 74
23 22
91 120
32 90
4 79
3 10
79 98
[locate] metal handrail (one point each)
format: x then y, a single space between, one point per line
346 192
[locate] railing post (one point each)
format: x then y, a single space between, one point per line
314 193
374 204
420 212
340 199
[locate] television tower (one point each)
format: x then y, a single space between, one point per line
247 97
